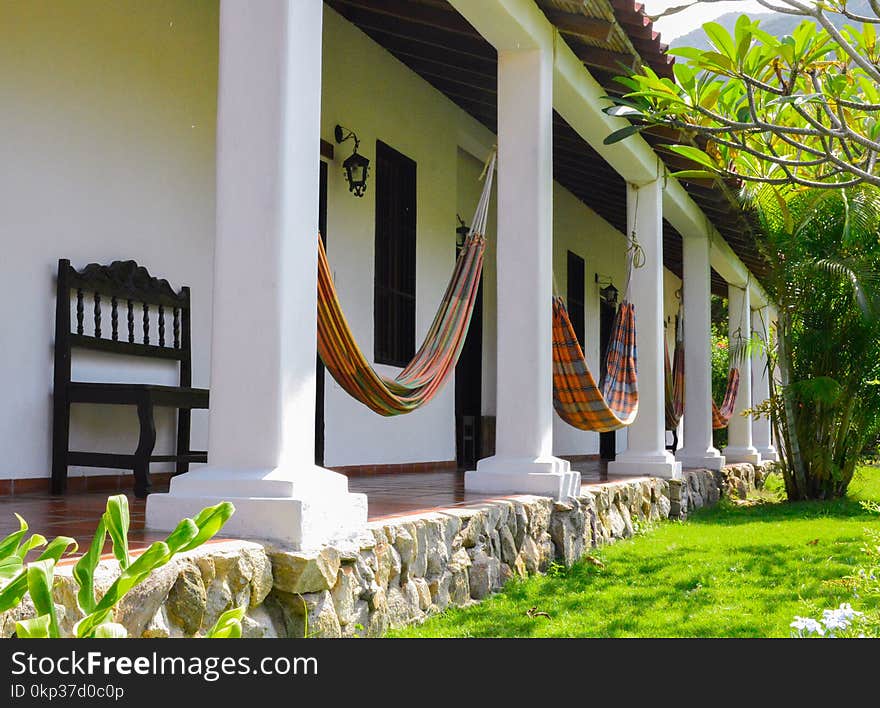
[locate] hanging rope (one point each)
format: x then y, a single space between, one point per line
635 253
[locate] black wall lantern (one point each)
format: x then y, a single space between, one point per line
609 293
356 165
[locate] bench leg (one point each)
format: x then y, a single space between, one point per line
60 443
184 416
674 446
144 449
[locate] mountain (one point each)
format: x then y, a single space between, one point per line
775 23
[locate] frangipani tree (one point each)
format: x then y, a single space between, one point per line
802 109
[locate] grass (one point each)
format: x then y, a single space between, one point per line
731 571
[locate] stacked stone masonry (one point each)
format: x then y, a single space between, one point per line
404 570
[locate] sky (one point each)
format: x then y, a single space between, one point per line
683 22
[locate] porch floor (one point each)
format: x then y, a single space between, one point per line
77 513
399 494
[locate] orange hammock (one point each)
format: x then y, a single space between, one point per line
674 379
576 397
425 375
721 415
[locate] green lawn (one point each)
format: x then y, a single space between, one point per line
727 572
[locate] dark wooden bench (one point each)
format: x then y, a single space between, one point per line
130 292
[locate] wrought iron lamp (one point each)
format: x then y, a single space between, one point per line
609 293
356 165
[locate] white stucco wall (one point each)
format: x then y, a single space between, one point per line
107 125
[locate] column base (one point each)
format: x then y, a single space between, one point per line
768 454
638 464
302 509
734 455
709 459
543 476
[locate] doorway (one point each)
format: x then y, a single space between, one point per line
319 365
469 389
607 311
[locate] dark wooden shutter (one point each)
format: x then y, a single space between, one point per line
395 273
576 295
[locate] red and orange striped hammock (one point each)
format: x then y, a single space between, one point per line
674 378
435 360
577 398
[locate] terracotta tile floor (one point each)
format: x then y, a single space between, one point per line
76 514
397 494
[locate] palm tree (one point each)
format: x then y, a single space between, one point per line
823 247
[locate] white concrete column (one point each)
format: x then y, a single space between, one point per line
761 428
524 434
697 450
646 452
739 431
261 441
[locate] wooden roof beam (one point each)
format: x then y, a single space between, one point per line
449 20
593 56
579 25
387 25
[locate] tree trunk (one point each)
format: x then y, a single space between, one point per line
793 448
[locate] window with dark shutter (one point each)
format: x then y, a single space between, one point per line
576 295
395 272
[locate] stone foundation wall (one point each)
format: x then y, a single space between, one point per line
403 570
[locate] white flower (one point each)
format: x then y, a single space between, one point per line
800 623
847 612
808 625
841 618
833 621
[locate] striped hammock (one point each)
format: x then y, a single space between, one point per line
674 379
425 375
721 415
576 397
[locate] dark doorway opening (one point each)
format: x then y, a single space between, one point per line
607 311
469 390
319 366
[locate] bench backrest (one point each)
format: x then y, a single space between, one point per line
130 296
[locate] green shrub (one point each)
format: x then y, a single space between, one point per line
18 578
